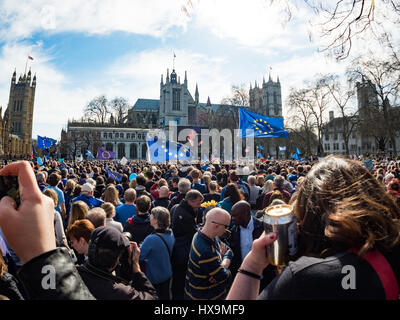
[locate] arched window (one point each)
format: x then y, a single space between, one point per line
144 151
121 150
133 154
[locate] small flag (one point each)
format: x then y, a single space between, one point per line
115 175
261 147
89 154
61 159
30 58
45 143
103 154
282 148
369 164
39 161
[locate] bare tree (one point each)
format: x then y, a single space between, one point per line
383 77
300 116
120 107
343 21
97 110
239 96
341 97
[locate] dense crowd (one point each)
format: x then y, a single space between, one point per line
178 231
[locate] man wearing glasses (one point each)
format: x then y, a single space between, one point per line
207 275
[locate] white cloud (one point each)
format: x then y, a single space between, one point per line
139 74
21 19
254 24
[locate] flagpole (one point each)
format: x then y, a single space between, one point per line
26 65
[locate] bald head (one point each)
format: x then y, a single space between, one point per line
218 215
164 191
217 221
241 213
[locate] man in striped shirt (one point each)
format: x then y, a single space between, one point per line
208 274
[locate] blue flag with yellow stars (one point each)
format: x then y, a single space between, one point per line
259 126
164 150
45 143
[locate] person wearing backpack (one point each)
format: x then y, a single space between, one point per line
156 251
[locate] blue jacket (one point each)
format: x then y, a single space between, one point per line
204 263
157 257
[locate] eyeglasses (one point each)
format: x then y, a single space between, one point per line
221 224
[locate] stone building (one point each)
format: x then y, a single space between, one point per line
177 104
17 121
266 100
360 141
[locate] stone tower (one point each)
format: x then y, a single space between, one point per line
174 100
19 112
267 99
366 96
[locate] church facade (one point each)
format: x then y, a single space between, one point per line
17 121
175 103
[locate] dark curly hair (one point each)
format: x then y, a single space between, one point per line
339 205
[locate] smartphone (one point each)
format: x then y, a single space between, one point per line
9 187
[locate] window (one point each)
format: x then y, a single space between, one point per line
327 137
117 135
133 135
109 136
139 136
121 135
105 135
128 135
176 99
343 146
335 136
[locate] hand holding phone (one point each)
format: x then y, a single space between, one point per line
29 227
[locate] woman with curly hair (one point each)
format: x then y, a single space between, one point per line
348 240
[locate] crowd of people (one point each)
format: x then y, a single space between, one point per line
152 231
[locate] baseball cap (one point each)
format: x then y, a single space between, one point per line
108 238
87 187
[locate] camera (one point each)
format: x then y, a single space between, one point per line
124 269
9 187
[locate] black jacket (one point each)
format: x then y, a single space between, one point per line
139 227
176 200
183 225
161 202
105 286
9 287
269 273
68 283
183 220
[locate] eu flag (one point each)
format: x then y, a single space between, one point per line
103 154
45 143
165 150
115 175
260 126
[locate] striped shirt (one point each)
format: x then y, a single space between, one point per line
206 279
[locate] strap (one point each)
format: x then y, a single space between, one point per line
385 272
160 236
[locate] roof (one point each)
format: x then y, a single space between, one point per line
147 104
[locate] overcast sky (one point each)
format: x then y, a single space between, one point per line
84 48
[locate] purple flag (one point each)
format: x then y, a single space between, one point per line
103 154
